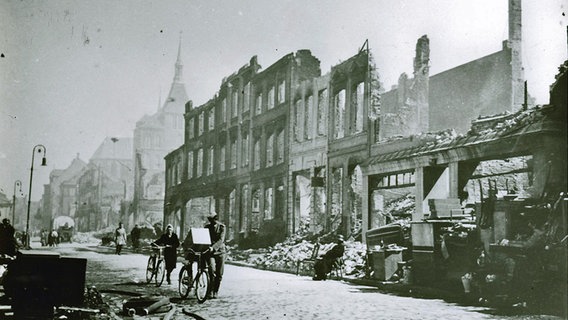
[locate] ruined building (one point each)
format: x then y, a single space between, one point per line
235 156
104 185
286 148
60 194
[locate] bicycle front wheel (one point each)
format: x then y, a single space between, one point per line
201 286
150 269
160 272
185 281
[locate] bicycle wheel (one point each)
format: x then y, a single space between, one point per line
185 281
201 286
150 269
160 272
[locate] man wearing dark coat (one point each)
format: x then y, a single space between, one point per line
323 264
135 237
7 241
170 241
217 257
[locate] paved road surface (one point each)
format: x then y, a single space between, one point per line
248 293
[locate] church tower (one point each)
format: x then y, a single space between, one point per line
155 136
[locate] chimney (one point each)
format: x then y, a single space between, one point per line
421 86
515 44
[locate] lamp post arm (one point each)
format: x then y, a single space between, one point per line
39 148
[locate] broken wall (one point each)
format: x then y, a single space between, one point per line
405 109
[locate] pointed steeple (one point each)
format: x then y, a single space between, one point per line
160 100
179 65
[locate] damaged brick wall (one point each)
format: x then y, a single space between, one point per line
405 110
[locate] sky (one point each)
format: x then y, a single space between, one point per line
74 72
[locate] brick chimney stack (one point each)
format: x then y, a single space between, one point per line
515 44
421 87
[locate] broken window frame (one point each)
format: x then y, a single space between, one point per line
268 204
211 119
255 210
233 154
269 150
190 129
222 158
258 104
199 162
299 120
245 150
280 148
282 92
395 180
321 112
243 217
339 119
234 103
201 123
308 111
256 152
190 164
358 107
211 159
224 110
246 97
270 99
179 170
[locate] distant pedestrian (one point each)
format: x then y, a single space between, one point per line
119 238
135 237
171 242
44 236
217 257
7 240
54 238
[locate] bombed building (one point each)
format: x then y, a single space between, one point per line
286 148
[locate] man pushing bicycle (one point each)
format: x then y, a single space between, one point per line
217 257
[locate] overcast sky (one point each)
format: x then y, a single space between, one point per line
74 72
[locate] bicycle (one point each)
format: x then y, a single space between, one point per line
156 265
201 280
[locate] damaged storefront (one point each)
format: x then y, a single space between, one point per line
486 210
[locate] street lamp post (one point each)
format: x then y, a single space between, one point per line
39 149
17 184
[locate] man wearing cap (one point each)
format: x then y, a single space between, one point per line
217 257
322 266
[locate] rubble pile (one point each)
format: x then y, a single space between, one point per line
287 257
354 259
87 237
401 207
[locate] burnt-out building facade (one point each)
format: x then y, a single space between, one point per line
235 157
286 148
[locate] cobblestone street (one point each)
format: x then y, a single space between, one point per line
248 293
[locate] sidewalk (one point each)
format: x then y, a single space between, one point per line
401 289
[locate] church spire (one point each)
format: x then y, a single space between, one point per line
160 100
179 65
